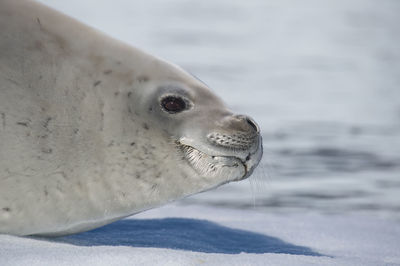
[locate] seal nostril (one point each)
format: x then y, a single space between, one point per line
252 124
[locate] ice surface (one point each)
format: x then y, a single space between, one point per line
199 235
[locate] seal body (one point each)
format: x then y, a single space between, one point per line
93 130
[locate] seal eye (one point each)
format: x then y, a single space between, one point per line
173 104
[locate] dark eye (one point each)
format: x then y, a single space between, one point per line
173 104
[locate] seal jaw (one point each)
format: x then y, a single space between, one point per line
229 168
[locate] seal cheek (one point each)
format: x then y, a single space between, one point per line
226 168
237 141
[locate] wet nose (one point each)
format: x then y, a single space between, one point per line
249 123
253 124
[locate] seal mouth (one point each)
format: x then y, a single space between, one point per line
232 168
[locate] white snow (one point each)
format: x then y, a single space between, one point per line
199 235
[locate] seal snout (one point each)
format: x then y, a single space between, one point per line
237 132
241 123
253 124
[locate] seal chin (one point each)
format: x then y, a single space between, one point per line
253 159
230 168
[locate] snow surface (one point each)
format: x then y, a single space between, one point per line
199 235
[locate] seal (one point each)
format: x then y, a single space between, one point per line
93 130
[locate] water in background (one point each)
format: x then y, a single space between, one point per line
322 78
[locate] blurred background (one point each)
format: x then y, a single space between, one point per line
322 79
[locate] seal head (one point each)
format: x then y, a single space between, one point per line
217 144
93 130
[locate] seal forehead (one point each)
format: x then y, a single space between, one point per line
179 89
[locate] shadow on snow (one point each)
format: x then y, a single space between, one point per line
183 234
